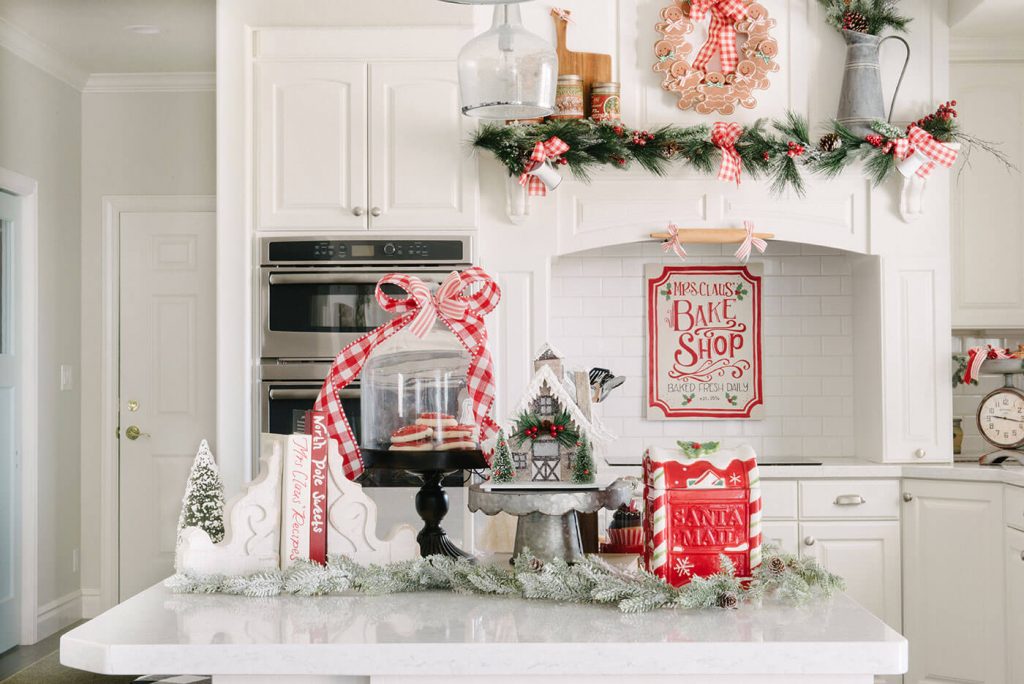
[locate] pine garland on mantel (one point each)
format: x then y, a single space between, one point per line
592 580
778 150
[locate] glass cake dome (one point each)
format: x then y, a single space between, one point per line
414 394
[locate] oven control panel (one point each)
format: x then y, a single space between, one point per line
307 251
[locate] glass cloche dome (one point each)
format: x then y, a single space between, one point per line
415 396
508 72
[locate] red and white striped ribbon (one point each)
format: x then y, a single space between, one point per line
672 243
935 151
750 242
543 152
724 137
977 356
461 303
721 32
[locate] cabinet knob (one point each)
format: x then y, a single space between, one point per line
376 211
358 211
809 541
907 496
920 453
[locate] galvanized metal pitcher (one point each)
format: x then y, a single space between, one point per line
860 102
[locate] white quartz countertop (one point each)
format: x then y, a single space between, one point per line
1011 474
448 634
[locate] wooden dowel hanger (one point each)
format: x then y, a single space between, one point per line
711 236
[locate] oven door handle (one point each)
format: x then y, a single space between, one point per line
309 394
341 278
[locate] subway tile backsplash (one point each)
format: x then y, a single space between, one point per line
597 319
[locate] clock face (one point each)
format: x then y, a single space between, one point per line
1001 418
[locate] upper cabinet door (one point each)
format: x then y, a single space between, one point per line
422 171
311 135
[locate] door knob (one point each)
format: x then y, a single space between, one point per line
907 496
376 211
358 211
809 541
920 453
133 432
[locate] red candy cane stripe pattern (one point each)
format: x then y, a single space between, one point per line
977 356
721 32
462 313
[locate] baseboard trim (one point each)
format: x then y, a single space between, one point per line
92 603
56 615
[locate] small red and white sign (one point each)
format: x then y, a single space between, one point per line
317 422
704 342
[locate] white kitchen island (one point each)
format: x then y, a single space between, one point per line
440 637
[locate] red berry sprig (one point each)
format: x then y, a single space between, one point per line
641 138
875 140
795 149
946 111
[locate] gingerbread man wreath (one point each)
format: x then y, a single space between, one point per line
742 69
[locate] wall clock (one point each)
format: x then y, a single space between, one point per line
1001 418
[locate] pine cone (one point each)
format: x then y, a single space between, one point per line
830 142
727 600
776 565
855 21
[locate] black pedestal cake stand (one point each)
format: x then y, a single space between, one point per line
432 499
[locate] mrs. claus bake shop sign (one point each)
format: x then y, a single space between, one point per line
704 342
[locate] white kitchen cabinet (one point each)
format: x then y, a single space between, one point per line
352 145
1014 605
311 145
987 222
782 533
953 598
422 174
864 553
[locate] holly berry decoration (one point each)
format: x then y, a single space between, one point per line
875 140
830 142
695 449
794 149
855 21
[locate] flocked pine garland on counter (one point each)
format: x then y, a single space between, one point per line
778 150
592 580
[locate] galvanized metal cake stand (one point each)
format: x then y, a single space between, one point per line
548 525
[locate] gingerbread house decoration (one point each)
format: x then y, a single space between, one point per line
551 423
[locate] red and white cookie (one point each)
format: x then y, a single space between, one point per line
420 445
457 431
411 433
456 443
437 420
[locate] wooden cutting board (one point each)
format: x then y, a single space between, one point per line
592 67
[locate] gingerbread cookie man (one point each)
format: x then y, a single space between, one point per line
756 24
716 95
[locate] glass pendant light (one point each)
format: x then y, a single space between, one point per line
508 72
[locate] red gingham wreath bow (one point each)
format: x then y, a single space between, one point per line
543 152
724 137
721 32
463 313
935 151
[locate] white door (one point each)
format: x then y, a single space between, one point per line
167 386
953 598
311 145
422 171
10 502
865 554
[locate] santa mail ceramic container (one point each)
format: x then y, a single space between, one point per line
699 508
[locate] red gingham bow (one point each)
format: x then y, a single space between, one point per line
724 137
935 151
977 356
463 313
543 152
721 32
672 243
900 148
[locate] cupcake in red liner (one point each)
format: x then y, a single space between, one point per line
626 530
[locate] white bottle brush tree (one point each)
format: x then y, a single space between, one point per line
203 503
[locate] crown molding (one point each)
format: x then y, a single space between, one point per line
155 82
41 55
978 49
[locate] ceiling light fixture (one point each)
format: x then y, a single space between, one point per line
143 29
507 72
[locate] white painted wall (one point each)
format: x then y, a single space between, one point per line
132 144
40 137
